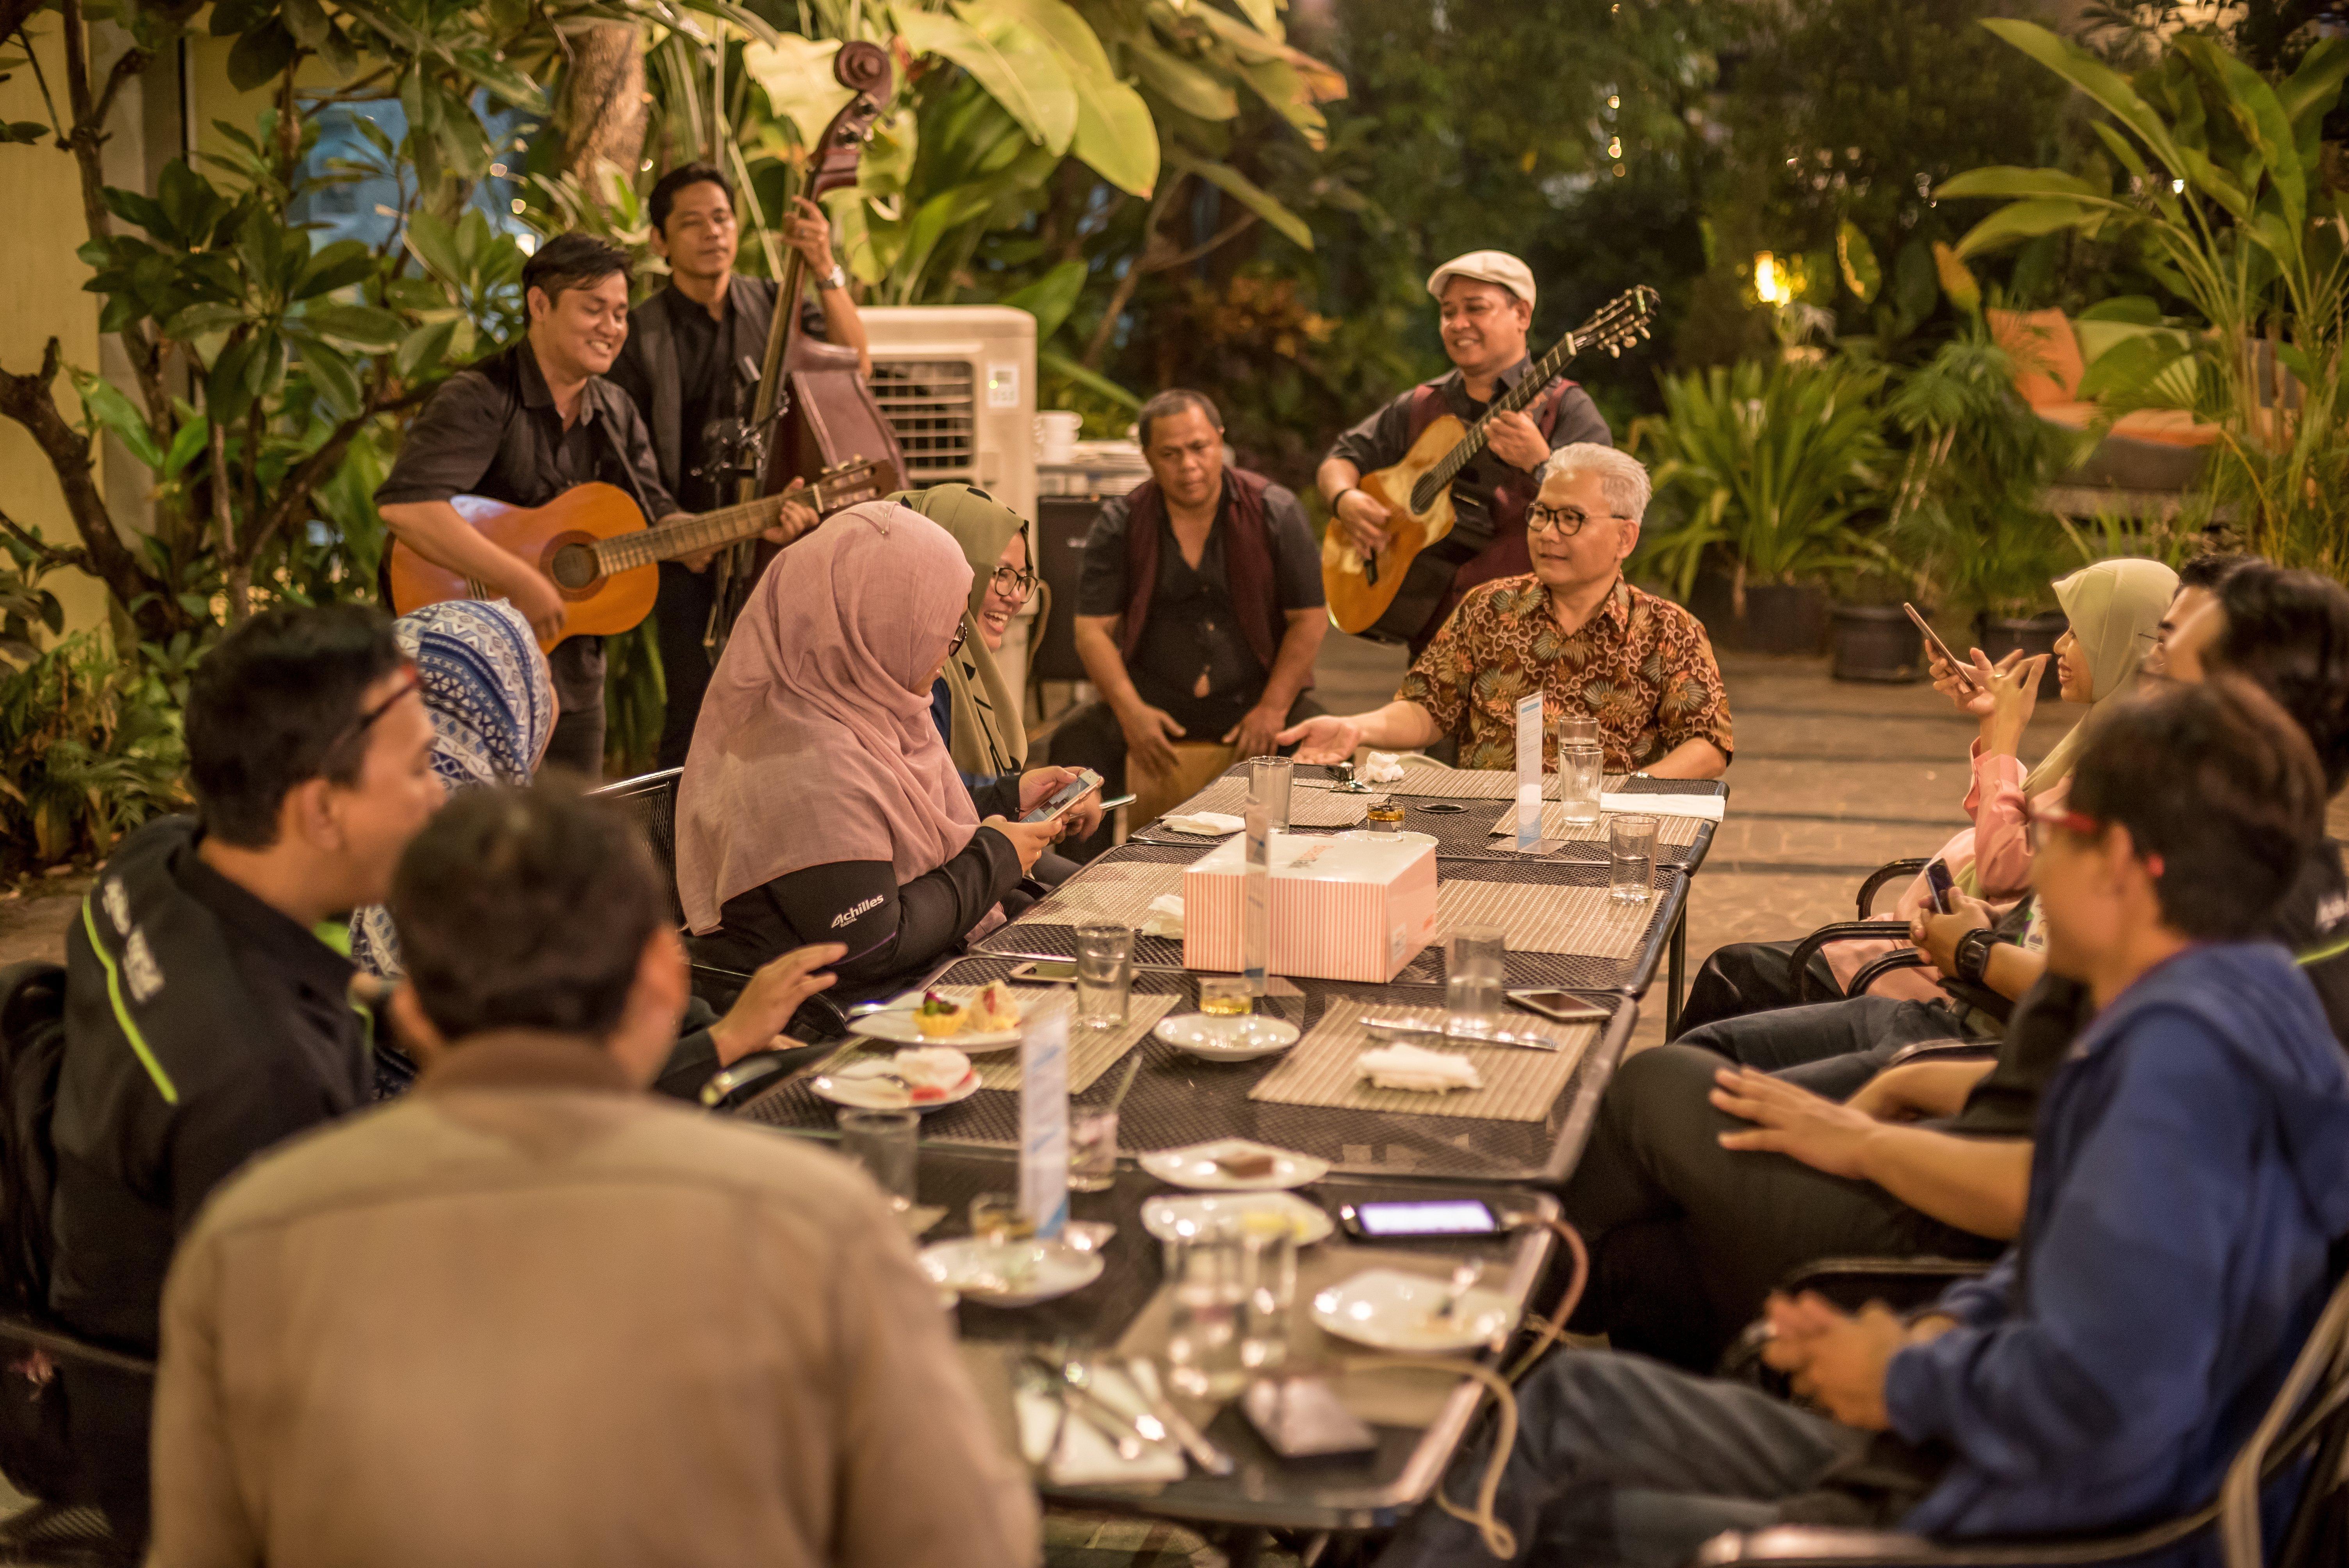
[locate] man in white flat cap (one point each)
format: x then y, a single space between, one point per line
1487 298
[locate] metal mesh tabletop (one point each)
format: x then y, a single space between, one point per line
1180 1100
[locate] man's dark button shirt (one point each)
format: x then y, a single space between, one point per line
493 430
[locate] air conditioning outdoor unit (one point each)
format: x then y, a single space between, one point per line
958 383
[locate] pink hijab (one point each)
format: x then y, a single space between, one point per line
812 746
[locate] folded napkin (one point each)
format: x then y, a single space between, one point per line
1709 806
1084 1455
1208 824
1380 768
1165 917
1417 1068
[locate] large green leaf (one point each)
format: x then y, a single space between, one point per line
2028 221
1181 83
107 407
198 319
2004 179
338 266
1051 297
1116 135
1017 70
356 327
332 375
2313 89
2092 76
796 73
1059 364
1857 259
1247 194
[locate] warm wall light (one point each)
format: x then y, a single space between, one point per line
1772 284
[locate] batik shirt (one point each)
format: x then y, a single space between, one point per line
1640 665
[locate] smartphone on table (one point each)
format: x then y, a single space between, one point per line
1564 1006
1057 803
1965 671
1387 1221
1301 1418
1046 972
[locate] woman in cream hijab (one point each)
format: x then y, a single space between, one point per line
978 713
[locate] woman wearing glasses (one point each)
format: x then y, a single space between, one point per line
819 803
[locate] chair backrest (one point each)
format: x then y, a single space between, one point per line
651 799
32 1049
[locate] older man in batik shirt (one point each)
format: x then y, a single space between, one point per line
1574 630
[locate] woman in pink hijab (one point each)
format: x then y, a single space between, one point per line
818 802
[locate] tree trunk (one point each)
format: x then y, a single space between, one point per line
603 111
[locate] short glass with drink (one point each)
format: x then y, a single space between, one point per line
1093 1149
1004 1229
1471 977
1384 813
883 1142
1632 852
1105 974
1269 780
1226 995
1581 768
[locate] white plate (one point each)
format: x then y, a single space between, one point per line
1390 1310
973 1270
1400 836
1178 1219
1196 1167
897 1027
1227 1039
875 1094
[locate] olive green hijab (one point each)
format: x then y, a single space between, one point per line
988 737
2115 608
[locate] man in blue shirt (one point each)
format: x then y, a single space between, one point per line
2190 1173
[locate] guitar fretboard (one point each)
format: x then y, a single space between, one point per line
707 531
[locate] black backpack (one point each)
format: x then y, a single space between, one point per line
35 1453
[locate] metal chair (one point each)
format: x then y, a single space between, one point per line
651 799
2307 1420
1866 927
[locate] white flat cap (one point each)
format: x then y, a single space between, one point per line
1485 266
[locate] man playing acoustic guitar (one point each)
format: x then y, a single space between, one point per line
1487 298
522 427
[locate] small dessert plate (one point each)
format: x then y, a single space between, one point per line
898 1027
873 1093
1226 1039
1181 1219
1388 1309
1018 1273
1203 1166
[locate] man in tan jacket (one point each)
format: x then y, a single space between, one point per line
531 1316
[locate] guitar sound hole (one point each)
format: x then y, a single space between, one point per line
574 567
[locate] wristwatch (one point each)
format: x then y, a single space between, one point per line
836 279
1972 955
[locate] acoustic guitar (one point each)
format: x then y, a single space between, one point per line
1390 595
592 542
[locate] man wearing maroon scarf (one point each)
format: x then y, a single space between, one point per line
1200 611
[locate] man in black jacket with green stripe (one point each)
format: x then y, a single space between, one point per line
210 1006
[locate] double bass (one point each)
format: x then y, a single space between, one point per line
813 411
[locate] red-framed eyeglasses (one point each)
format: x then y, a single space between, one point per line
2080 822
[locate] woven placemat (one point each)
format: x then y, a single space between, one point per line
1578 920
1116 892
1324 1069
1311 804
1092 1052
1678 831
1479 783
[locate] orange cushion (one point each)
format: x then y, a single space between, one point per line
2171 427
2071 416
2047 363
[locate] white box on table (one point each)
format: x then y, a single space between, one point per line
1342 909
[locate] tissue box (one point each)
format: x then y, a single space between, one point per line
1342 909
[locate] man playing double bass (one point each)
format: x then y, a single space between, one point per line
691 366
1487 299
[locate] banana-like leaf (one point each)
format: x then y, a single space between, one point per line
1059 364
1247 194
2128 371
1016 67
1051 297
1115 136
1857 259
2028 221
106 407
2310 95
796 74
2260 116
2005 179
2092 76
2126 155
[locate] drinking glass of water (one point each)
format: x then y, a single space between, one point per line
1269 780
1471 977
1632 848
1104 972
1093 1149
1207 1276
1582 767
883 1142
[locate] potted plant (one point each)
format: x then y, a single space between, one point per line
1767 473
1872 637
